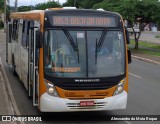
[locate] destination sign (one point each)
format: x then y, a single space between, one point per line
91 21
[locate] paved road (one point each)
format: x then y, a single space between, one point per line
144 95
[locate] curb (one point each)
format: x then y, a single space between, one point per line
12 106
146 60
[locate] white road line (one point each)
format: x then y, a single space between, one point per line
146 60
135 75
128 122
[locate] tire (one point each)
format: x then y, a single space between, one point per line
13 67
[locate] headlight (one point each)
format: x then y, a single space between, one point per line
51 90
120 88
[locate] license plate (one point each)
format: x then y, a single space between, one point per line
86 103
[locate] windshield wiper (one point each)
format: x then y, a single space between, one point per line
71 41
100 43
101 40
74 46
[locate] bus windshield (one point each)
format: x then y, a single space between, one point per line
78 53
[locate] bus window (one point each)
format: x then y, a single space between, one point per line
15 29
61 56
25 33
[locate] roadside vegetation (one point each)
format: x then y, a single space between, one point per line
145 48
1 25
158 36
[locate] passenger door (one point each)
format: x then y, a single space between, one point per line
33 66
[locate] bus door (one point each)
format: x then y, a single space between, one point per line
8 43
33 66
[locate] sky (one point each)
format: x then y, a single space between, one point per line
32 2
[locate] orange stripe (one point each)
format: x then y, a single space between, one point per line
42 87
82 94
126 81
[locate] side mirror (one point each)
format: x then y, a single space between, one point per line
127 36
129 57
39 39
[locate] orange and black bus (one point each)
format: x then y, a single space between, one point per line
70 59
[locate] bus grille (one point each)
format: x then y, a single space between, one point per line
98 105
87 86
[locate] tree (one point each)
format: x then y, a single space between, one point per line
43 6
1 5
142 11
108 5
24 8
86 4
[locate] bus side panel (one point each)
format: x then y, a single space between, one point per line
24 66
18 51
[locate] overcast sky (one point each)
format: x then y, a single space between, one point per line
32 2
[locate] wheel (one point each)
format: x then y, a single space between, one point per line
13 67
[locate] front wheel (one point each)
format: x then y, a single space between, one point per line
14 70
13 67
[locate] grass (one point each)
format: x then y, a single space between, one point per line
147 45
145 48
158 36
1 27
143 51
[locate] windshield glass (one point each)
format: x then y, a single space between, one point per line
84 53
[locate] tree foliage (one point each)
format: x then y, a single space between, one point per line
142 11
24 8
43 6
1 5
86 4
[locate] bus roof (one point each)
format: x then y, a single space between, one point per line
36 14
33 15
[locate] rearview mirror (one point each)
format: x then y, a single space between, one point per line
39 39
127 36
129 57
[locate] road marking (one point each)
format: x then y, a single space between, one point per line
128 122
135 75
146 60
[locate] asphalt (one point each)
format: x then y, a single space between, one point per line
6 107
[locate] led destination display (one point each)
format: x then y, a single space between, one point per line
91 21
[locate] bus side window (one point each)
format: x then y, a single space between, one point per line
25 34
27 39
10 32
14 30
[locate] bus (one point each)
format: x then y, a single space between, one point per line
70 59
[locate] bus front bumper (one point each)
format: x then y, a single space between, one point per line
55 104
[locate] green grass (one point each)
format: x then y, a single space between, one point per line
143 51
1 27
158 36
146 48
147 44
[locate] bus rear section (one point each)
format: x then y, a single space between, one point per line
79 61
